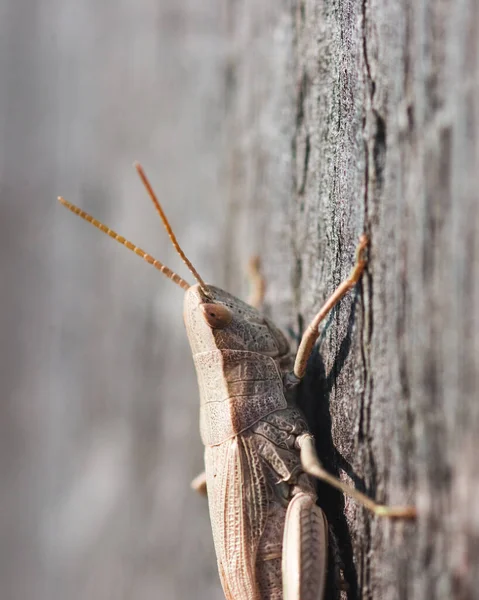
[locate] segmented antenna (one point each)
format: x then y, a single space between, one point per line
169 230
119 238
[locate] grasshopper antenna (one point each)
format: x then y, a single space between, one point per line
204 288
119 238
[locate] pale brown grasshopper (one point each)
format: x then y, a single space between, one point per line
271 538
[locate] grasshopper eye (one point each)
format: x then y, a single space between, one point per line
216 315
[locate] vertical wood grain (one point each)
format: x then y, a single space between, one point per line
279 128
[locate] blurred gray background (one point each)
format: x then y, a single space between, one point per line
99 433
99 412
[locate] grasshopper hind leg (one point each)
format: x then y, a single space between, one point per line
305 549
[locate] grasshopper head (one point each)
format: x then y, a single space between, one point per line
215 320
220 321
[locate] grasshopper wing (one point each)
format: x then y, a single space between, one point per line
238 501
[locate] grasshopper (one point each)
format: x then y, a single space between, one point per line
270 537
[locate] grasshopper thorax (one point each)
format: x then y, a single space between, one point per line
238 355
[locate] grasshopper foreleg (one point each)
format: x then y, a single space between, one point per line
312 332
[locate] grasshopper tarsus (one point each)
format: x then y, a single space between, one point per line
396 512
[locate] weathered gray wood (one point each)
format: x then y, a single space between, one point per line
280 128
384 140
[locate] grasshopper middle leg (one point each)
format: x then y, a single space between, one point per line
312 465
199 484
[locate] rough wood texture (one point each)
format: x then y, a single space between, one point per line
395 133
280 128
384 139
